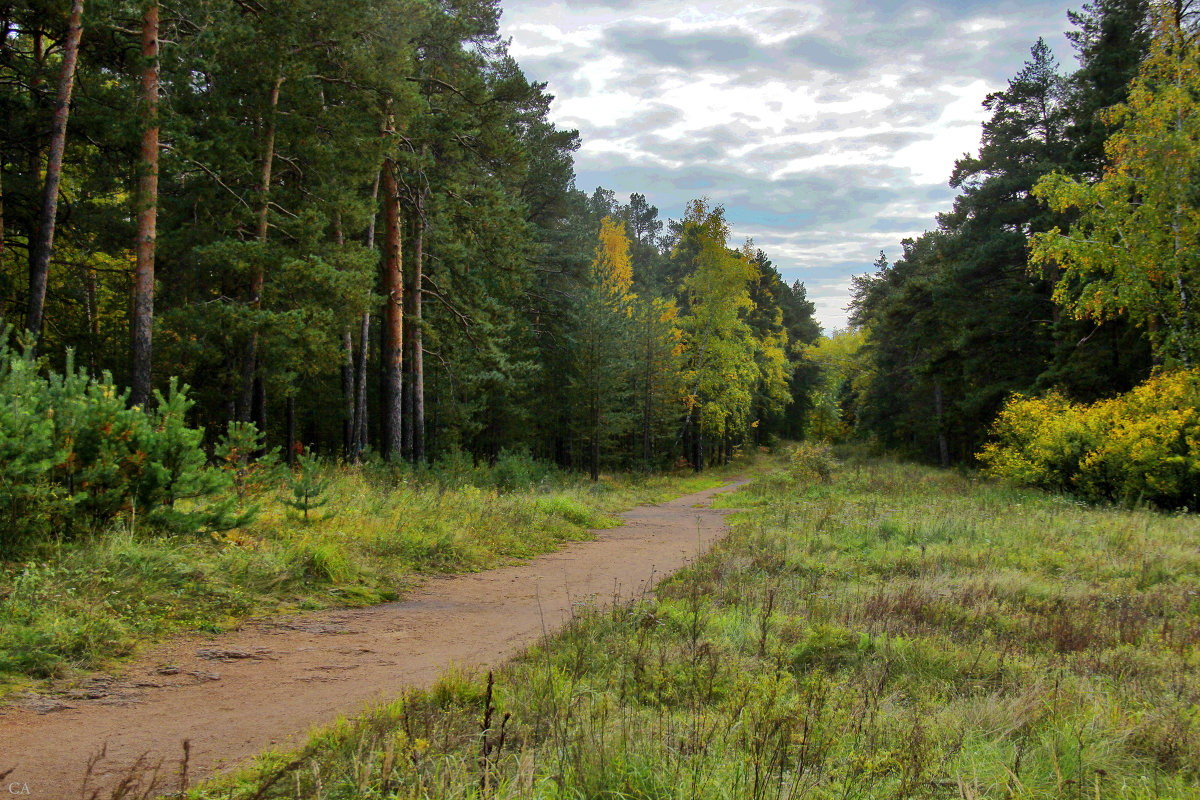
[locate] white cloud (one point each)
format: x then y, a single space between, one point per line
828 128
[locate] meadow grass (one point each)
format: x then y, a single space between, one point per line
891 632
79 605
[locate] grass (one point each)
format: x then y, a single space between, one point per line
82 605
892 632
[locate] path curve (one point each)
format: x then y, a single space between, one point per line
266 685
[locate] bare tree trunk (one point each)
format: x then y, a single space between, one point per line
418 389
411 291
647 408
147 212
348 394
250 359
393 343
943 443
1 212
360 399
93 316
39 266
258 412
5 27
291 430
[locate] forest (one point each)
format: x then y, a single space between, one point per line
301 307
354 226
1063 278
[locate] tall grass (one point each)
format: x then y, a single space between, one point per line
78 605
895 632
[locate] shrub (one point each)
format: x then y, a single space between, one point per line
518 470
1039 441
74 455
812 462
1143 445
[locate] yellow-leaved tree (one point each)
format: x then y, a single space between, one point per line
1134 247
720 372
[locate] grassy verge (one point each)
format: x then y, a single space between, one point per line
896 632
81 605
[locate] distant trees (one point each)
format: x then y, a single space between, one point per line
969 313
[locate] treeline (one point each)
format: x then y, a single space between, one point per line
1069 261
354 226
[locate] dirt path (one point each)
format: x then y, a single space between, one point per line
238 694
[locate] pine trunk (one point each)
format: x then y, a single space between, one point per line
943 443
418 354
258 278
92 310
648 400
147 215
5 27
39 265
393 341
360 398
594 455
1 212
258 414
291 430
410 293
348 394
364 343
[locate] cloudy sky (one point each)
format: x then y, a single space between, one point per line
827 128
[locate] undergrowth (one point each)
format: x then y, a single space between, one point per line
893 632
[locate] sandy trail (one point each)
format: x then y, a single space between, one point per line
235 695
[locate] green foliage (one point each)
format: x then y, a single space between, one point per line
74 457
248 466
844 371
1131 249
1140 446
308 484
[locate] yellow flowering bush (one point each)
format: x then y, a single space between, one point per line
1143 445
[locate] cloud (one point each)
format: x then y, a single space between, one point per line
828 129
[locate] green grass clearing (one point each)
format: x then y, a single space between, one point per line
896 632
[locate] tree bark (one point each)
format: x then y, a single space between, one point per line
147 211
647 408
348 394
411 289
257 278
1 212
393 337
418 353
91 307
39 266
360 399
258 413
291 430
594 454
943 443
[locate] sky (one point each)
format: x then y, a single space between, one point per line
827 128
